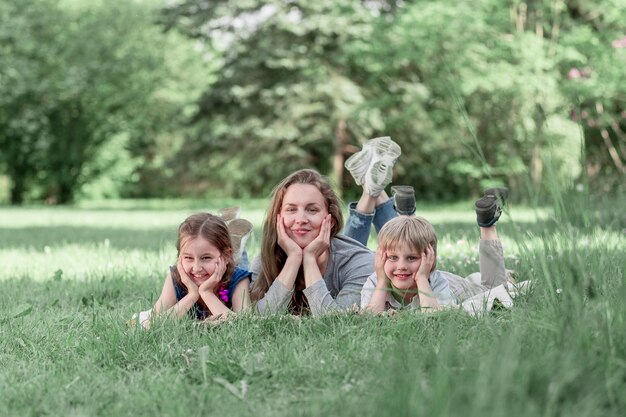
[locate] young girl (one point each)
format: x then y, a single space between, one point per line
305 266
205 281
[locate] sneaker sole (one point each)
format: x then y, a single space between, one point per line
229 213
239 227
500 192
357 165
384 146
487 205
379 185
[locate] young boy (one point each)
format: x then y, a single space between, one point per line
405 264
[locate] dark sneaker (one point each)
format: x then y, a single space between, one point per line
404 199
489 207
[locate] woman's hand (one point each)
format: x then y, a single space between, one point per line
211 284
192 288
290 247
321 243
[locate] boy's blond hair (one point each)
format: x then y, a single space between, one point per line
416 232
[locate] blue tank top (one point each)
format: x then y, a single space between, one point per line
199 311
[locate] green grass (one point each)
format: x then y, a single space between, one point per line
71 277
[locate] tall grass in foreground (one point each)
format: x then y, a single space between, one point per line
66 349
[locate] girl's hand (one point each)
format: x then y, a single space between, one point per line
428 260
211 284
192 288
321 243
379 267
290 247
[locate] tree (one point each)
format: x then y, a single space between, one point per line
474 93
73 76
286 96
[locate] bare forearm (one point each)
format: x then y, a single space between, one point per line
379 298
181 308
428 301
214 304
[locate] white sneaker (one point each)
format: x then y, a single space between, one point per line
380 171
240 230
358 163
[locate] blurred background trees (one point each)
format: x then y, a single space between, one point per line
224 98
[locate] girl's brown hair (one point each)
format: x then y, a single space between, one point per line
416 232
214 230
273 257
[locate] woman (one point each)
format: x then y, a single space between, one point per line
305 265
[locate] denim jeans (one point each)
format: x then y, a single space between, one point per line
359 224
244 262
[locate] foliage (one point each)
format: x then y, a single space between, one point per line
474 93
74 76
234 95
286 96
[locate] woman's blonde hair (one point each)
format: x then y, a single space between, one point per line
416 232
273 257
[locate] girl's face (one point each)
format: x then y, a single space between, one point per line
303 211
198 257
401 267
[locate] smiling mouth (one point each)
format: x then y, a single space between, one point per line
402 276
300 231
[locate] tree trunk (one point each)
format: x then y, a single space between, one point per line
341 139
17 190
536 163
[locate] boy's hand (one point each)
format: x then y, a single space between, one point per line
211 284
379 267
428 260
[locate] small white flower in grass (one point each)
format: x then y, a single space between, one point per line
189 350
559 290
580 188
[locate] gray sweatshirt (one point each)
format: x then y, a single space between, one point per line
349 265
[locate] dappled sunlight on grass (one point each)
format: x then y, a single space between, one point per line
70 284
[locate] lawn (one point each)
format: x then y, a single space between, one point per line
71 278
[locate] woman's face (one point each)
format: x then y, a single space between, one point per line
303 210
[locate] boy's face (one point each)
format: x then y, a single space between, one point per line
402 265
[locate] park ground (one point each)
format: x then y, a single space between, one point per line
71 277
